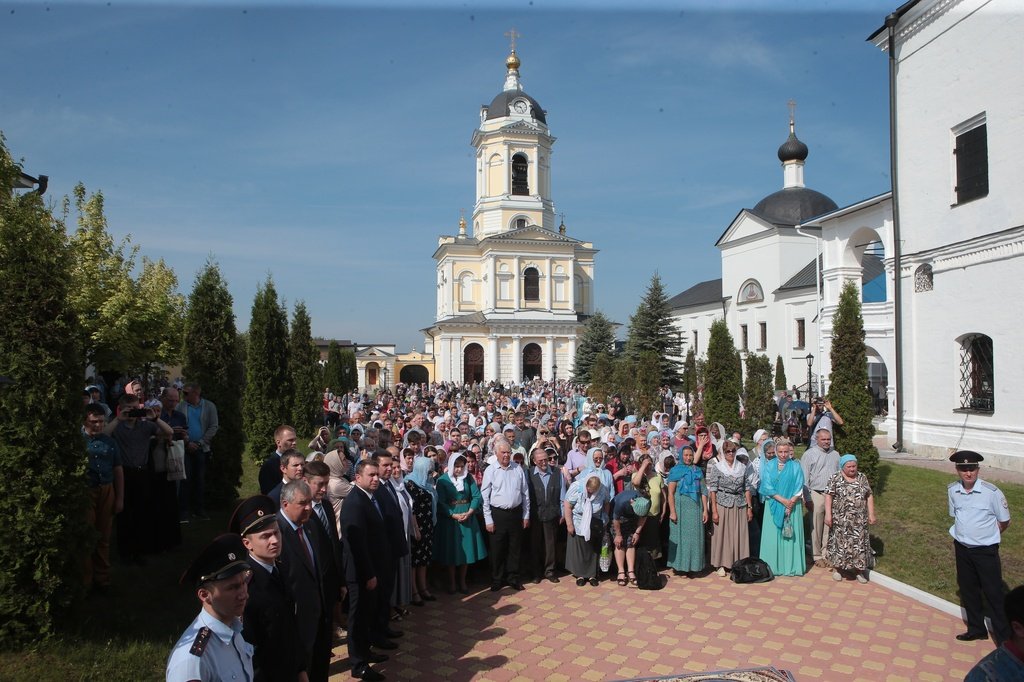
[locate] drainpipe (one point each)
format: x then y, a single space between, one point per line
890 23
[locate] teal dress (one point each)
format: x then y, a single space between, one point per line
686 536
457 543
785 555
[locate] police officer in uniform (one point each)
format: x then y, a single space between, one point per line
270 612
212 647
980 515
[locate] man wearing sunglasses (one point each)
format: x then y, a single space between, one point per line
980 516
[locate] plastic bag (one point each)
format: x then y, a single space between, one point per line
787 528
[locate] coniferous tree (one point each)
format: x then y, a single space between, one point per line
267 400
646 381
780 374
624 382
722 381
690 382
757 392
598 337
602 377
42 456
848 391
334 370
212 359
304 371
349 377
651 329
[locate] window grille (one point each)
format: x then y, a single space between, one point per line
977 374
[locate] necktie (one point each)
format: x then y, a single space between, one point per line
305 547
322 515
376 506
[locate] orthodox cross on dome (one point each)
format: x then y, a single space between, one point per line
462 222
792 115
512 35
561 228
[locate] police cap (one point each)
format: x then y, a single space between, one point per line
253 515
221 559
966 457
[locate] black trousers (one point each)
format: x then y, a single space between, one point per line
979 572
362 620
136 524
385 587
543 535
506 542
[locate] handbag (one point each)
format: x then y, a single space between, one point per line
176 460
751 570
787 528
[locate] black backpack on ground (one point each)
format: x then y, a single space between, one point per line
647 577
751 570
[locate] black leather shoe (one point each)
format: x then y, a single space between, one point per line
365 672
971 636
580 582
517 586
495 587
536 581
377 658
393 634
552 578
385 644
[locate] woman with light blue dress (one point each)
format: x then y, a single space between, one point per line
782 532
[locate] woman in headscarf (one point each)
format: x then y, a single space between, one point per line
729 490
648 476
596 464
338 486
420 486
704 450
566 434
849 510
459 541
402 596
629 516
586 512
782 533
764 456
718 436
622 468
688 512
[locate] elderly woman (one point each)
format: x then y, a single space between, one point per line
459 541
649 475
403 593
338 486
731 510
688 512
629 516
849 510
586 512
596 463
420 486
782 533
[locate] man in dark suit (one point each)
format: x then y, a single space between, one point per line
547 491
269 619
270 470
367 558
290 469
394 523
303 576
331 560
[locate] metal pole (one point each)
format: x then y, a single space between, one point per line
897 244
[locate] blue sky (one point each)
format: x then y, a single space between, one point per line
327 144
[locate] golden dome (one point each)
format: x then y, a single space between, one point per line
512 61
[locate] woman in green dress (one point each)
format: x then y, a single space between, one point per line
458 540
688 512
782 535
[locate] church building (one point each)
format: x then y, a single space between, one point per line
513 290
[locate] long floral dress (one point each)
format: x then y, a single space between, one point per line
849 543
422 509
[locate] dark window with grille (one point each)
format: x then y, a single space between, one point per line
531 284
696 346
800 340
971 155
764 335
520 183
977 374
745 336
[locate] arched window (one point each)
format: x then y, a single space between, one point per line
751 292
466 288
923 278
531 284
473 363
977 374
520 182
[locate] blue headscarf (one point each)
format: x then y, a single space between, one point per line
421 468
845 459
687 478
785 483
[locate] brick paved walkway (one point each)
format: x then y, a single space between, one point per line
813 626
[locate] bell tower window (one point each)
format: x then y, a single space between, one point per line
531 284
520 182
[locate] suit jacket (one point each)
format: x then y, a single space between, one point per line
275 493
394 520
270 473
367 551
304 581
270 626
330 559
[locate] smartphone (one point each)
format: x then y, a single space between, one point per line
138 412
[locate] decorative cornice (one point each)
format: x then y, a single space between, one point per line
978 251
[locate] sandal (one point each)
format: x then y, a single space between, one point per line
632 578
594 582
622 579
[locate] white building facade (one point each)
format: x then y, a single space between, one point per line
512 294
960 160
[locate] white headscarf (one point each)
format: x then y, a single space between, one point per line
737 468
458 481
587 500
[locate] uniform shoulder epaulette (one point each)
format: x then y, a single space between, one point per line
200 642
988 485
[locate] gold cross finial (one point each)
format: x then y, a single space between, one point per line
512 35
792 115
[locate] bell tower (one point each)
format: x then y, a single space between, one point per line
513 160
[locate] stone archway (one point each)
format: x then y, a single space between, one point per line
414 374
533 361
372 370
473 363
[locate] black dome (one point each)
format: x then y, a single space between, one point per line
792 150
499 106
793 205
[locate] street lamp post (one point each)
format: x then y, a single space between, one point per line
810 391
554 372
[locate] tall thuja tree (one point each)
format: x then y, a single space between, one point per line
334 371
651 329
780 374
646 382
602 377
849 388
42 456
757 392
212 359
349 376
722 381
305 373
267 402
598 337
690 373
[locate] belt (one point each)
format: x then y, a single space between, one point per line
459 502
518 506
820 492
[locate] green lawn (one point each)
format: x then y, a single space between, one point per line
128 634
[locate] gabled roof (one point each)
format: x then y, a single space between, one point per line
702 293
743 219
529 232
374 352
